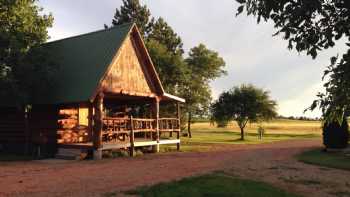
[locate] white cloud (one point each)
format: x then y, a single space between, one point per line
296 105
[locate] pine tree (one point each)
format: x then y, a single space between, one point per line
133 11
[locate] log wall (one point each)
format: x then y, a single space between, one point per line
43 125
69 128
12 130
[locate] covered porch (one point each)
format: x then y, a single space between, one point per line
120 121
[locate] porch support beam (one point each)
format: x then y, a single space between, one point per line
98 124
90 121
178 115
157 100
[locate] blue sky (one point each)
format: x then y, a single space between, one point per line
252 55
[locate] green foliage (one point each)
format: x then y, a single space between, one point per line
22 29
312 26
211 185
132 11
336 135
204 65
171 67
335 103
164 34
244 104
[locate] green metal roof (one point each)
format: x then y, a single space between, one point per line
82 61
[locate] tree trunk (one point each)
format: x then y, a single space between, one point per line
189 124
242 133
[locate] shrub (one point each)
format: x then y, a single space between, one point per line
336 135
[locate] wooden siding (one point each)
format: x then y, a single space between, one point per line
13 134
43 125
127 74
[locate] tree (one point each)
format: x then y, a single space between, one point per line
133 11
164 34
203 66
243 104
171 67
311 26
22 29
335 134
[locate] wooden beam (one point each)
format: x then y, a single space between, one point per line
90 122
157 121
178 114
132 137
98 125
27 130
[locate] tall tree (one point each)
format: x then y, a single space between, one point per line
244 104
133 11
311 26
164 34
203 66
164 45
171 67
22 28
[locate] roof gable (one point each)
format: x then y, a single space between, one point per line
92 62
128 73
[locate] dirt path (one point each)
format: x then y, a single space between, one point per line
273 163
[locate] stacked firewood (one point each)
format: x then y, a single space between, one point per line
69 129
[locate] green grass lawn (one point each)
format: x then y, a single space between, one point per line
211 185
319 157
206 135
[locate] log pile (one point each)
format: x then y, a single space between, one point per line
69 129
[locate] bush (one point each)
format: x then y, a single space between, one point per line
336 135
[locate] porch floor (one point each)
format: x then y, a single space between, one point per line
108 146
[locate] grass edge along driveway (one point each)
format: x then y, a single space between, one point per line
215 184
319 157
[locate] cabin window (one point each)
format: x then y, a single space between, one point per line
83 116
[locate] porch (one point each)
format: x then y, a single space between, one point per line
118 123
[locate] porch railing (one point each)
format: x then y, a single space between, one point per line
116 128
169 124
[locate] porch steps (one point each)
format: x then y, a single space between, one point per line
71 154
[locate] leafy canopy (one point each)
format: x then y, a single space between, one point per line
203 66
22 28
311 26
243 104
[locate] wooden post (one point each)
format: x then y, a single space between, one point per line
157 122
132 137
98 126
90 121
27 131
178 114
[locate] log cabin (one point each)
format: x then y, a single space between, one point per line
107 95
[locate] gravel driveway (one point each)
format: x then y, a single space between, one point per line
273 163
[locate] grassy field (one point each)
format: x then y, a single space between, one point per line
216 184
205 135
333 160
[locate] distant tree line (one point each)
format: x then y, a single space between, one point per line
299 118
